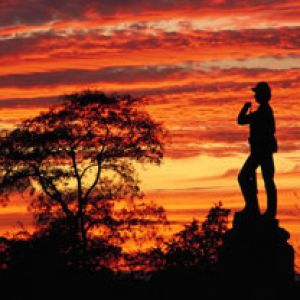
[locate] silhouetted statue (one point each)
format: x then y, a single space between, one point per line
256 256
262 146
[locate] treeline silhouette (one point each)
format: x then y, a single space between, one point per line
76 165
49 263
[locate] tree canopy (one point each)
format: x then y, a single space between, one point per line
77 162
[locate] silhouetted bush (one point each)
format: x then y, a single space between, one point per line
197 245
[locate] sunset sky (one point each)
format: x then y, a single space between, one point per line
195 63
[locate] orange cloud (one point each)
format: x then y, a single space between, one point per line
33 12
49 51
198 107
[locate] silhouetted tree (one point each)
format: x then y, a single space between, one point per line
53 249
77 163
196 246
4 256
152 260
213 229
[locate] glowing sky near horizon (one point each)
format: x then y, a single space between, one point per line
194 61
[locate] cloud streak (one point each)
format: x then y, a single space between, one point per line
209 99
36 12
50 50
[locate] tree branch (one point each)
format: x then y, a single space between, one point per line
77 176
56 196
86 169
99 164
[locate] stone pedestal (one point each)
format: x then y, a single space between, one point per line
256 255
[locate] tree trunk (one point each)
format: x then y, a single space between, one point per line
82 231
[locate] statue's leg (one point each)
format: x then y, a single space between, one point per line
248 184
268 169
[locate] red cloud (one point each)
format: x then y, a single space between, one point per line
35 12
48 51
199 108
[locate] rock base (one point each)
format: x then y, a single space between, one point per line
256 255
